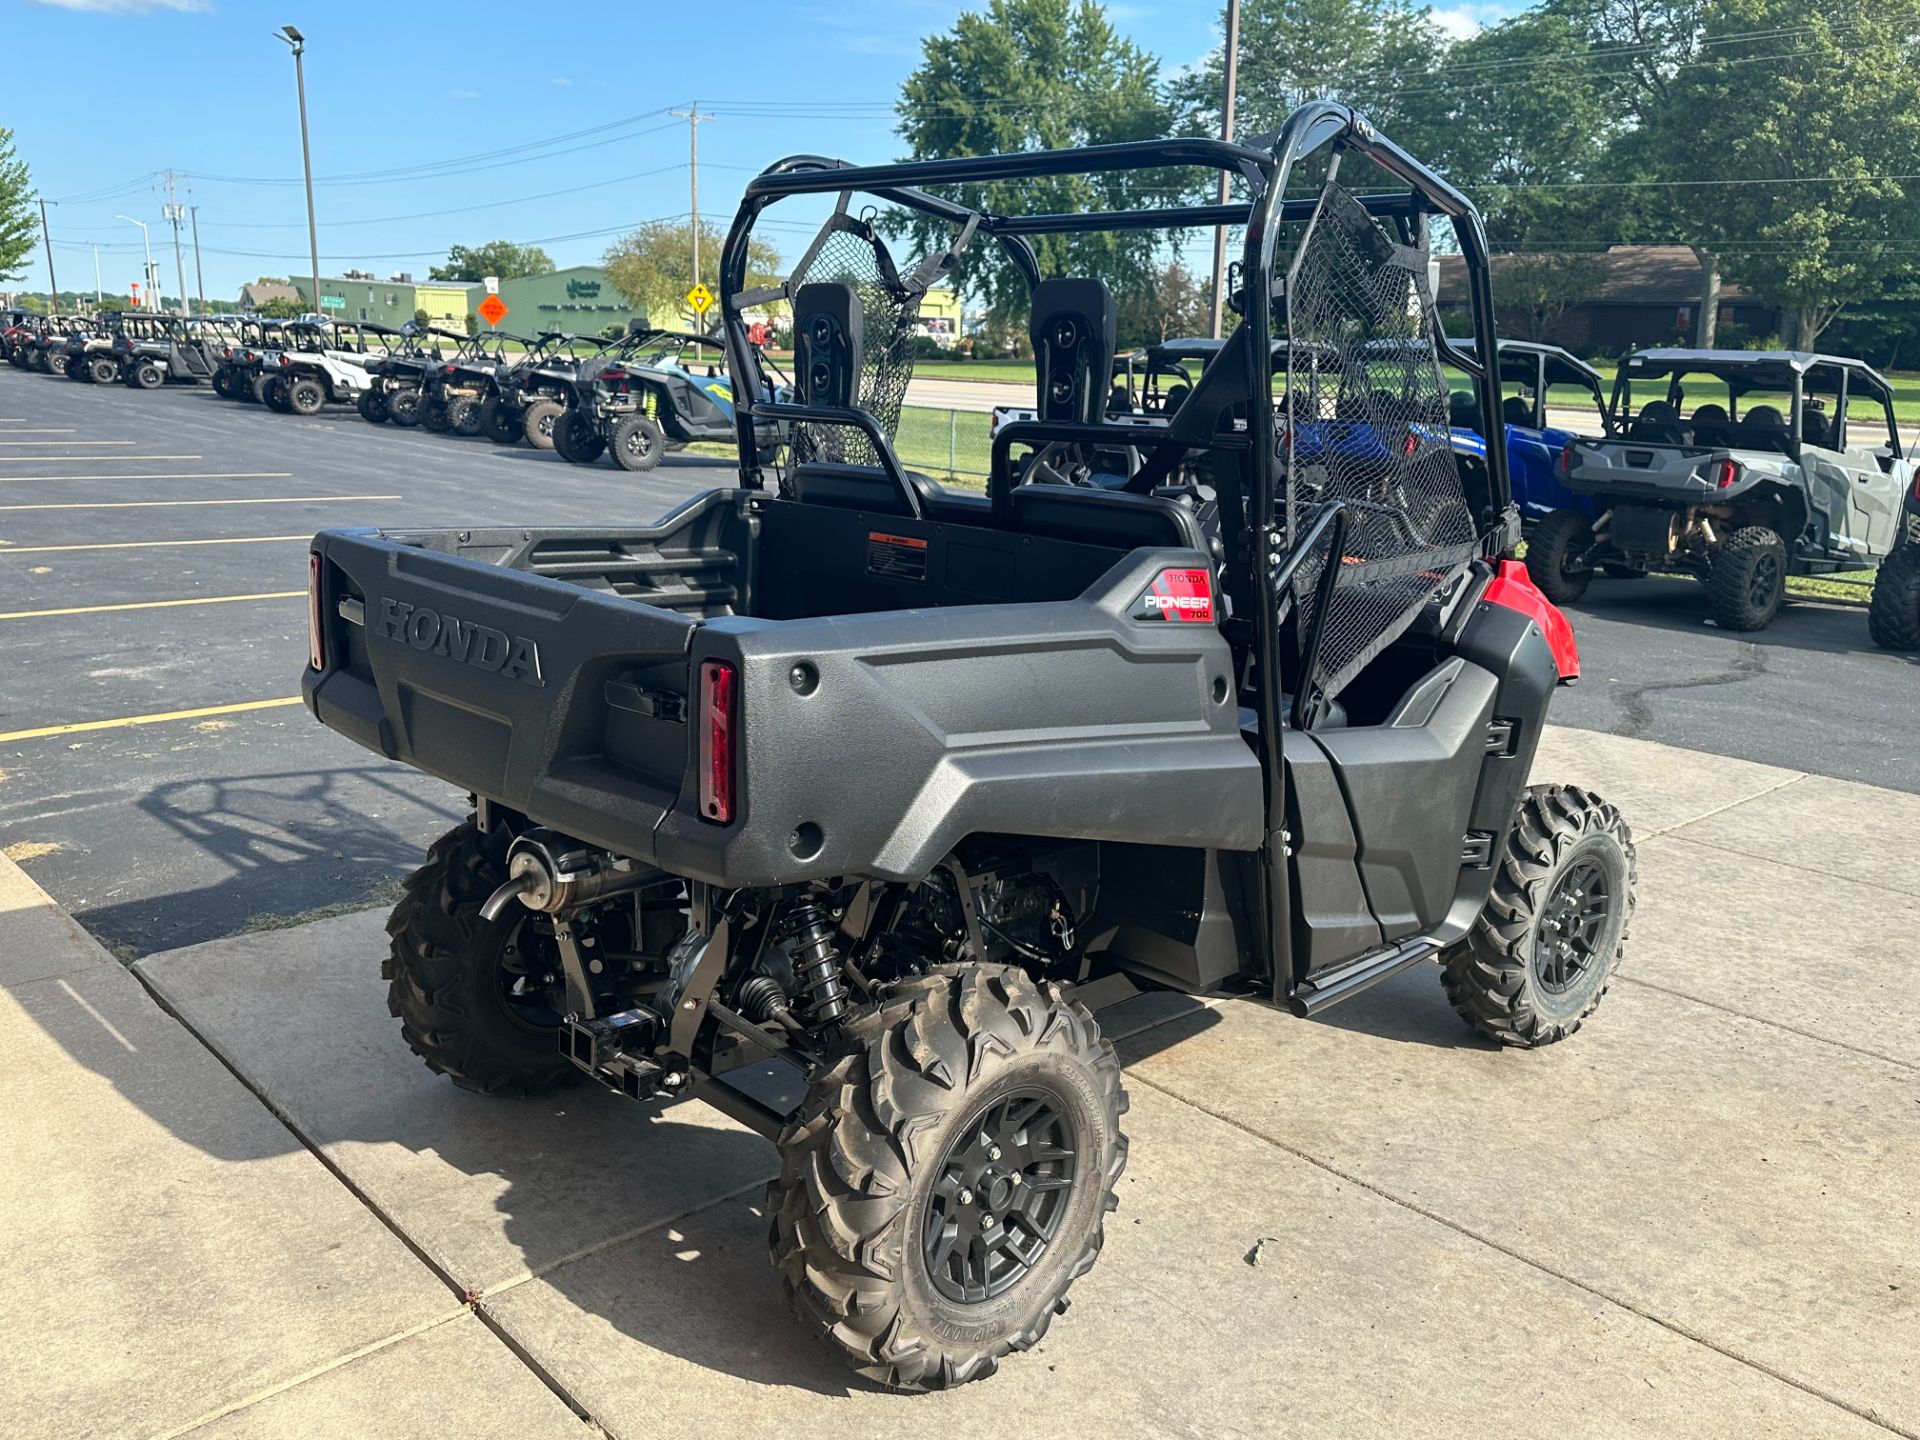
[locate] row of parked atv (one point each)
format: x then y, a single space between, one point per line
636 398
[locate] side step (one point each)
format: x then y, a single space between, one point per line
1322 992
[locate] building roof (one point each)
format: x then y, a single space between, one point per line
1634 275
259 293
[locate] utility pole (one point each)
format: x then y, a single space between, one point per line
1232 69
199 280
176 213
693 117
99 299
299 44
53 285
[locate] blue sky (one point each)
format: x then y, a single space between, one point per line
203 88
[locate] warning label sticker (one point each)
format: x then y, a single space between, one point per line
897 557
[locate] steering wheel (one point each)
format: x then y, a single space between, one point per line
1061 462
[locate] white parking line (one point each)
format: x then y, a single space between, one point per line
63 442
221 475
93 459
172 504
6 550
57 430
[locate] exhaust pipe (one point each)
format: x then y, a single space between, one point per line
548 872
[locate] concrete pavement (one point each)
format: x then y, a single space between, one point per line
1695 1218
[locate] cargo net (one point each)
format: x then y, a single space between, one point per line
850 252
1364 423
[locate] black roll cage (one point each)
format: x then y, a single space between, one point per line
1268 166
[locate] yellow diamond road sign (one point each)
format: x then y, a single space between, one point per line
700 298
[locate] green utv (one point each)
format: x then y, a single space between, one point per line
885 782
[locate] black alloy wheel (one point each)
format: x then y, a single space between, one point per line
1572 924
1000 1193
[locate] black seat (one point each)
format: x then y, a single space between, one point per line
1516 411
1105 517
865 487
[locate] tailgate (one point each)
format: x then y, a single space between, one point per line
561 702
1621 469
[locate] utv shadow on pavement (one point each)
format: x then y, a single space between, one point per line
1828 628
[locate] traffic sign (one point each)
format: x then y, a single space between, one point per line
700 298
493 309
333 302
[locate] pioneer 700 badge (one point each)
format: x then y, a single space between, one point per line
1176 595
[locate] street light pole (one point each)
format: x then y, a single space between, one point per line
199 280
153 297
1232 74
693 117
53 281
298 42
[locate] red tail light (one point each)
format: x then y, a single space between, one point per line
1566 459
316 633
1726 474
719 705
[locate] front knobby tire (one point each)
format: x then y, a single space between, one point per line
1747 583
1893 617
1556 556
538 420
1546 946
909 1141
452 974
372 406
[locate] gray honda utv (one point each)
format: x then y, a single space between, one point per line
1258 721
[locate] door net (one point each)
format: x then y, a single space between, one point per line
1364 424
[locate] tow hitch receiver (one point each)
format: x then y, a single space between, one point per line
616 1050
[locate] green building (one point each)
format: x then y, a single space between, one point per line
360 295
581 299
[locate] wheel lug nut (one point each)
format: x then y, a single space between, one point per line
1015 1177
994 1153
986 1222
966 1197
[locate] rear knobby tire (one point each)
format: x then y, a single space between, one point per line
373 407
538 420
1893 617
1747 583
638 443
862 1165
103 371
1556 556
444 973
498 422
304 396
148 376
1505 979
403 407
463 415
433 415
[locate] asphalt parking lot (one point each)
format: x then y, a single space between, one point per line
159 778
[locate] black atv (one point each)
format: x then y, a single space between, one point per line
1893 618
457 391
398 380
1100 742
45 347
533 394
661 391
89 350
243 362
196 348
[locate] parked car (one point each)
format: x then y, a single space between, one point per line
882 782
1737 467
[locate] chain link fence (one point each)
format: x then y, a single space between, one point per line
953 446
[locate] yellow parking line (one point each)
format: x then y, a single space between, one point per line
93 459
173 504
223 475
149 605
6 549
127 720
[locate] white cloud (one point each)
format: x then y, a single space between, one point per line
127 7
1460 22
463 94
562 81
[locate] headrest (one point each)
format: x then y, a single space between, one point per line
1073 329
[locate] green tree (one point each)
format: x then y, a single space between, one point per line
281 309
652 267
1832 101
1030 75
1515 116
1172 303
1374 55
502 258
422 318
19 230
1532 292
